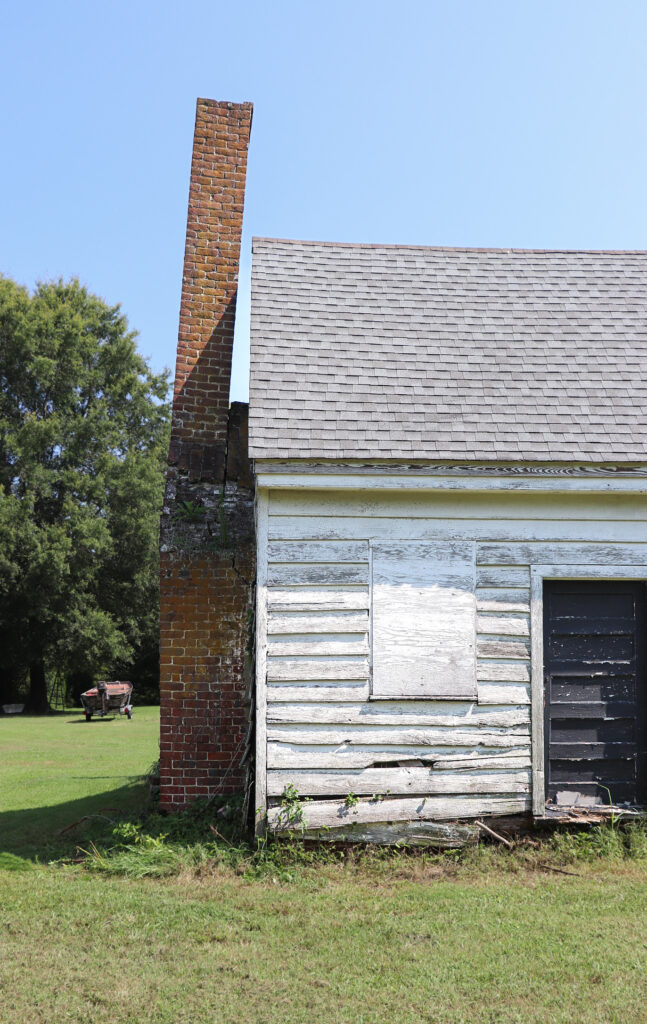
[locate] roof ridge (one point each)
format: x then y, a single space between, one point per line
446 248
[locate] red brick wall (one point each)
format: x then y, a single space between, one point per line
207 556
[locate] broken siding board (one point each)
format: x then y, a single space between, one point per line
280 755
302 644
326 574
367 781
425 714
318 622
331 813
508 759
373 735
423 619
312 599
305 669
407 833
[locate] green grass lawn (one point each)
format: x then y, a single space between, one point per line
495 939
58 769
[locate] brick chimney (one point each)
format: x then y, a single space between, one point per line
207 532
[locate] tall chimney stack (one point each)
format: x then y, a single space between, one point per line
207 543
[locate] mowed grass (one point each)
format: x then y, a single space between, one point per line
493 939
331 947
57 769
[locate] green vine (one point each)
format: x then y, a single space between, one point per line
290 815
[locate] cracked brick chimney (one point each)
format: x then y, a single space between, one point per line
207 535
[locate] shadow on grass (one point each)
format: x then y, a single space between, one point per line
44 833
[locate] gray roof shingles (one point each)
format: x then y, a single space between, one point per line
368 351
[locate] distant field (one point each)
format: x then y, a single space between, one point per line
58 768
495 939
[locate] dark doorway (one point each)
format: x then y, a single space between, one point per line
594 671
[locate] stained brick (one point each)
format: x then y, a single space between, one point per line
207 578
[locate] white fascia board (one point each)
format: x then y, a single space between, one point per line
523 479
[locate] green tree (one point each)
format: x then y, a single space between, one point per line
83 441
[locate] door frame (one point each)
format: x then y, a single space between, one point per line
539 573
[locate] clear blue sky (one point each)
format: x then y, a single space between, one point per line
461 122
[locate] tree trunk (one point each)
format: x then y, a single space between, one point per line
7 687
37 701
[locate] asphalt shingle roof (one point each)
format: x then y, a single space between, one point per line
403 352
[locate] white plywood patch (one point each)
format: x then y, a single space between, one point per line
423 620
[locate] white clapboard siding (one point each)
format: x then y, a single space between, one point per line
332 813
283 755
554 554
372 735
503 693
303 669
502 576
517 512
483 762
502 671
310 529
318 599
324 732
494 599
302 692
311 551
423 620
503 625
307 645
422 781
323 573
501 647
318 622
419 714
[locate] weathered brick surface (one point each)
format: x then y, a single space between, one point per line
207 544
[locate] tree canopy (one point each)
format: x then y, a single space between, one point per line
83 442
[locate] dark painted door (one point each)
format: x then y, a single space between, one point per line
594 668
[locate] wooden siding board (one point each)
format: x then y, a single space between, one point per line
421 781
421 714
331 813
324 574
309 599
364 735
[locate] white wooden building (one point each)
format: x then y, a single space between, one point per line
450 450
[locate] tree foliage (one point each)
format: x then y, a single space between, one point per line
83 441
